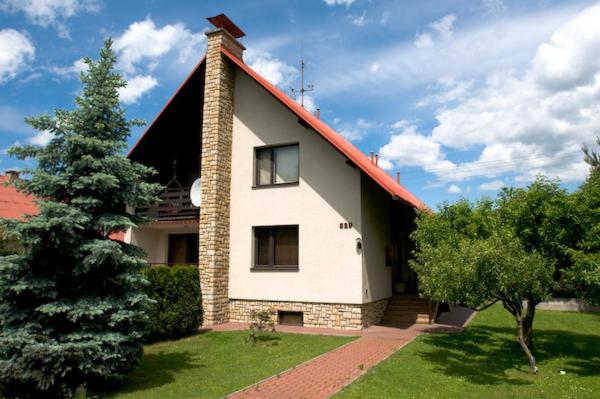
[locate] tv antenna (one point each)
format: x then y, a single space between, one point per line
309 87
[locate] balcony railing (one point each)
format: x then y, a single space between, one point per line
175 204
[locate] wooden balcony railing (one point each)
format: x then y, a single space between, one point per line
175 204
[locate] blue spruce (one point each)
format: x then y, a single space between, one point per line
72 311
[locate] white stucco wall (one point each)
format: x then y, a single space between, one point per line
376 218
330 268
155 239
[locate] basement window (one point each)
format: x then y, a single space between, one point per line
290 318
276 165
276 248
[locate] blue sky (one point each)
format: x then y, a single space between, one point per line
461 97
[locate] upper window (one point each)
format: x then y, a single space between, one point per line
277 165
276 248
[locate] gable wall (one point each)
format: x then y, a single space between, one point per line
329 193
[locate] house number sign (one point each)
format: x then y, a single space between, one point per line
345 225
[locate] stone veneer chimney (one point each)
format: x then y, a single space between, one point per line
217 132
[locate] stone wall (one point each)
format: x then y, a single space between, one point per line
324 315
217 131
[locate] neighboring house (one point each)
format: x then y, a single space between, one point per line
292 217
13 205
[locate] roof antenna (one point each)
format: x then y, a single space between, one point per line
309 87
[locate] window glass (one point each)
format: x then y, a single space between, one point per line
286 164
286 245
262 246
263 166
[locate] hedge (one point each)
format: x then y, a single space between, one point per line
177 311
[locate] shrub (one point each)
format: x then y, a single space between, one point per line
177 311
261 324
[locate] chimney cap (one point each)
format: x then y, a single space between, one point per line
223 22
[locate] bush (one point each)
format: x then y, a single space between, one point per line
177 311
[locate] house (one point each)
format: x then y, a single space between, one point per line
14 204
292 216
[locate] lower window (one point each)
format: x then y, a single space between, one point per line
276 248
183 248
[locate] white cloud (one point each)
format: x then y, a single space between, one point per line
442 28
309 103
454 189
273 69
136 88
144 42
526 124
360 20
41 138
449 89
423 40
492 185
375 67
50 12
73 70
16 53
493 7
356 131
385 164
332 3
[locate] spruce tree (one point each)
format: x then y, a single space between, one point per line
71 306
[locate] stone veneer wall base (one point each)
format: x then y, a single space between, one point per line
325 315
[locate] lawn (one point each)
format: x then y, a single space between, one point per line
213 364
485 361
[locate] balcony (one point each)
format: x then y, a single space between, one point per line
175 204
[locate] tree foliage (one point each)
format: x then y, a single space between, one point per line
72 308
466 254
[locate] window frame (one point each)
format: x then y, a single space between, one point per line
255 180
272 266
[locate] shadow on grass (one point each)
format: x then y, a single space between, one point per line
155 370
485 355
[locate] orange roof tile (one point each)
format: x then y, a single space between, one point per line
14 204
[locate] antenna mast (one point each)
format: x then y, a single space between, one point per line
309 87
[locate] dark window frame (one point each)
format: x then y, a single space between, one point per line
272 266
256 183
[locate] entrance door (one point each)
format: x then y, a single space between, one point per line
404 278
183 248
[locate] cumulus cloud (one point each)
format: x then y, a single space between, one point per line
492 185
273 69
356 131
144 43
309 102
526 123
359 20
41 138
332 3
448 89
70 71
16 53
50 12
454 189
442 29
136 88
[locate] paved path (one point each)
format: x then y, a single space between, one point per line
325 375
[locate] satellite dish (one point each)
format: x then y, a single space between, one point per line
195 193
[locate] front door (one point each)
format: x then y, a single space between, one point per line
404 278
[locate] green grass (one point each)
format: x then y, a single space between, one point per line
485 361
213 364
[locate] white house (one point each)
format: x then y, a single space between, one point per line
292 216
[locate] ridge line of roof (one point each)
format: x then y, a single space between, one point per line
381 177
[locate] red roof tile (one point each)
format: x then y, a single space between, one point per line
13 204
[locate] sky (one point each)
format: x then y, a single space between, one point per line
461 97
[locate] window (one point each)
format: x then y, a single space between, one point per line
183 248
276 248
277 165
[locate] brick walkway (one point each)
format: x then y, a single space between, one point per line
325 375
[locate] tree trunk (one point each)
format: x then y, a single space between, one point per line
528 323
522 341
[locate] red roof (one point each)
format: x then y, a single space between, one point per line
381 177
13 204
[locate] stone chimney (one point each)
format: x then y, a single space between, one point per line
215 163
12 174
